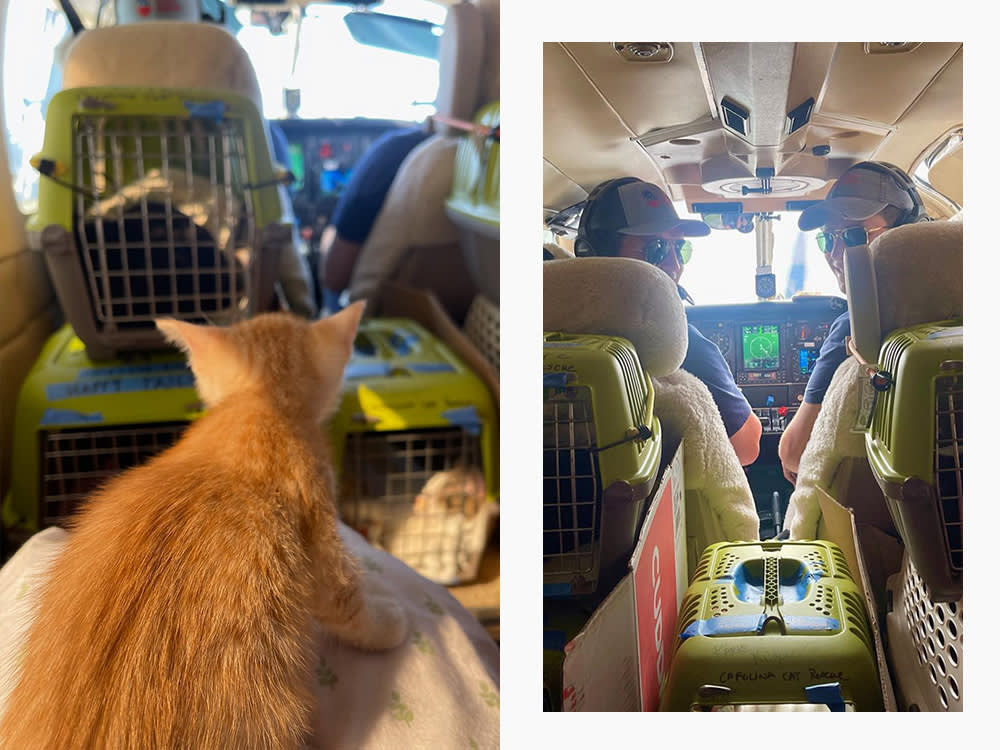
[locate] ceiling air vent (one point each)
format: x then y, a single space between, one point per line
734 116
799 116
645 51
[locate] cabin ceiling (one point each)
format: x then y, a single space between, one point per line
663 121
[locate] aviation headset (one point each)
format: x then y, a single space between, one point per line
903 181
589 239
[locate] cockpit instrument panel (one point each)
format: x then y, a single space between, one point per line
770 347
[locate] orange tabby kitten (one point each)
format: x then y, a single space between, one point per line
178 613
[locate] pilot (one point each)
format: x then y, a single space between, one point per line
628 218
359 205
867 200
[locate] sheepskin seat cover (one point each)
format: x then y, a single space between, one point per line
639 302
918 277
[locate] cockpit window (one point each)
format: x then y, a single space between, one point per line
336 76
723 264
940 170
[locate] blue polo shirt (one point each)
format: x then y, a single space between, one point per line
705 362
831 354
370 180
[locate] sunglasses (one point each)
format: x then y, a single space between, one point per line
655 251
852 237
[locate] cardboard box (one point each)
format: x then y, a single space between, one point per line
619 660
837 524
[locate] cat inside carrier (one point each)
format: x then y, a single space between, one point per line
601 450
156 203
416 446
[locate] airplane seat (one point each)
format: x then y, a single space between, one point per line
413 241
636 301
177 54
909 276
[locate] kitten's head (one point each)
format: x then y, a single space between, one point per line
297 364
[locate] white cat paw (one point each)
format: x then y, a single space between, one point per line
386 626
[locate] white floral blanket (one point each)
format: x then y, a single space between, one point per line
440 689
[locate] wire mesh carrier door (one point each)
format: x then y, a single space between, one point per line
915 449
601 449
415 443
79 422
420 495
157 203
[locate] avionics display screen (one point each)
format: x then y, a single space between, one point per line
807 360
760 347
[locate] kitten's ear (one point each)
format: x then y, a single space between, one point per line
217 371
332 345
337 331
194 340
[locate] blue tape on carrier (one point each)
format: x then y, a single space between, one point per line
465 417
76 389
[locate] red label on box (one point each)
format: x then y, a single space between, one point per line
656 600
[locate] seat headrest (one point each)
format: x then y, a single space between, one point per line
461 63
910 275
618 297
161 53
918 270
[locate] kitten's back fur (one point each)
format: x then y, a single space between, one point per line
178 615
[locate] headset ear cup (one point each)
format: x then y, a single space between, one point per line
918 212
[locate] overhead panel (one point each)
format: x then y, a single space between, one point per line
936 112
646 95
584 136
805 110
901 78
754 77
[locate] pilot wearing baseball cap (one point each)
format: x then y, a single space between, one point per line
867 200
629 218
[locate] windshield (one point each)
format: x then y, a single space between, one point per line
336 76
723 264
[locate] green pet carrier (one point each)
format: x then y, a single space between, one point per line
416 445
601 450
925 645
156 202
79 422
773 623
915 449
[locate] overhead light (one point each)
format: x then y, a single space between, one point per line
890 48
645 51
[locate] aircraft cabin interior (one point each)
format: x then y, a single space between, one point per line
749 142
